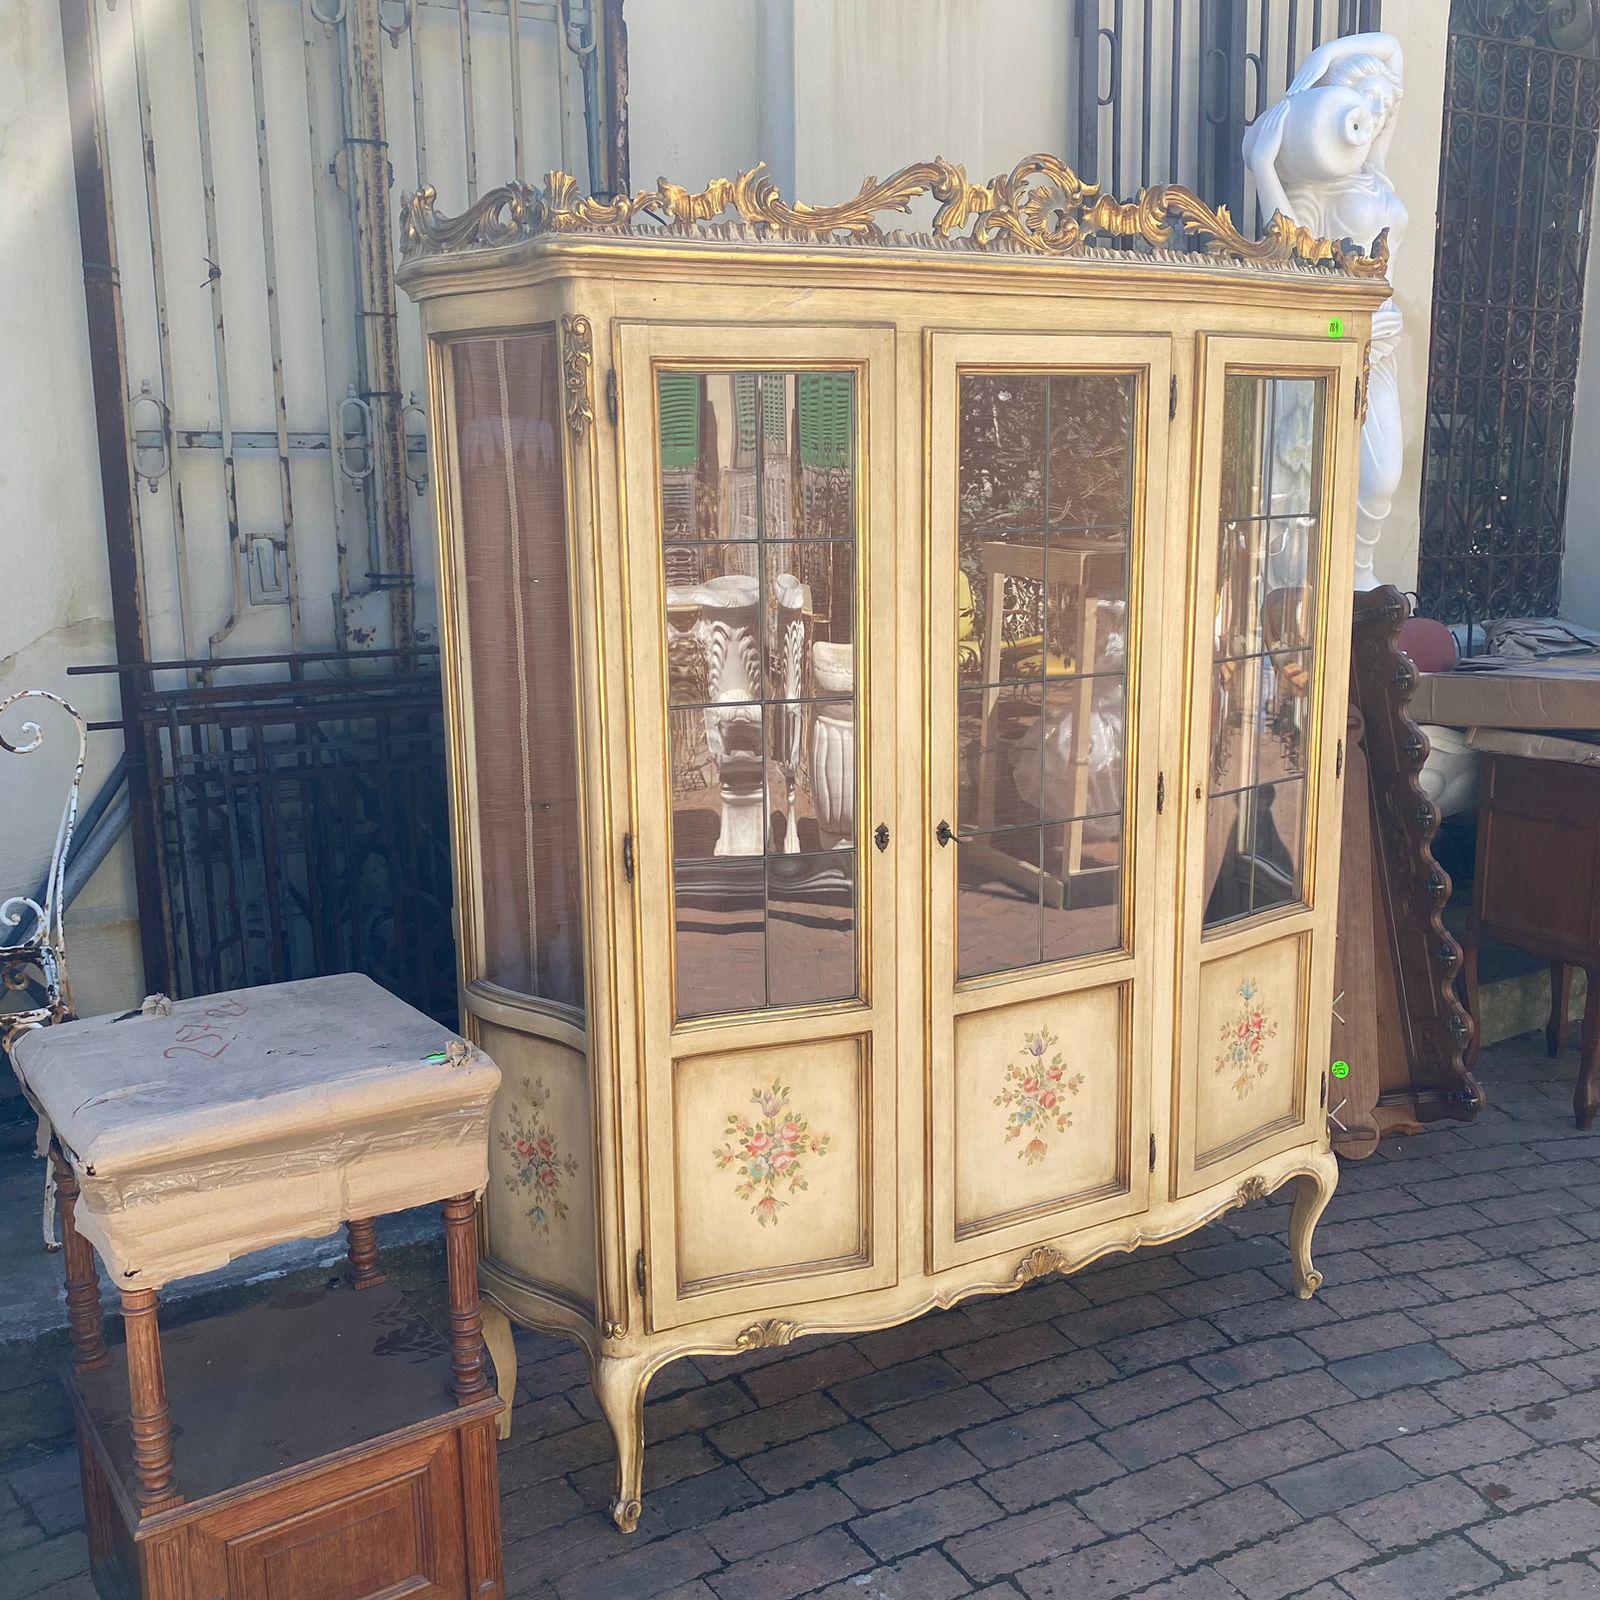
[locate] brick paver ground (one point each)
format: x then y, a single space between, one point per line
1174 1425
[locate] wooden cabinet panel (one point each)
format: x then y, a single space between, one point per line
1043 1112
1251 1081
772 1163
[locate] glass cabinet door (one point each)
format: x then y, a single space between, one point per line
1270 632
1049 471
760 547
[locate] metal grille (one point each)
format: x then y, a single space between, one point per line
1142 116
1522 115
237 166
305 829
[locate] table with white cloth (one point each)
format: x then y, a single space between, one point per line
185 1134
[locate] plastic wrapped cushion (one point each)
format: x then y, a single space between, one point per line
204 1129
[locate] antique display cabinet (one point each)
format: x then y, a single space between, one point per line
896 691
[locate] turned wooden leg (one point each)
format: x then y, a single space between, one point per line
1586 1097
83 1278
364 1271
468 1380
1312 1193
1469 983
147 1393
1555 1030
619 1385
503 1350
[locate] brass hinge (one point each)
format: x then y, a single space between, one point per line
1324 1088
611 396
1161 792
638 1271
1152 1152
1358 399
1172 399
1338 759
627 856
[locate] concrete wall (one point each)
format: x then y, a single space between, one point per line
825 91
1422 27
1580 570
55 597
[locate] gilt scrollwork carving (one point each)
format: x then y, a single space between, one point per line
577 362
1040 207
1253 1188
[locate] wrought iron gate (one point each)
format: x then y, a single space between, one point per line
1516 186
1140 116
262 419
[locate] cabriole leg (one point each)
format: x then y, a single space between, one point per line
1312 1193
503 1351
619 1385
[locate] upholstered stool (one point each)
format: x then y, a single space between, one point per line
189 1133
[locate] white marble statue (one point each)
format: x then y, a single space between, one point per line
1320 156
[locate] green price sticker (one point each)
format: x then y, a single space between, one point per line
1340 1069
1336 327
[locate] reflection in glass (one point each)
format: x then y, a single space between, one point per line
512 530
1045 469
1268 549
758 508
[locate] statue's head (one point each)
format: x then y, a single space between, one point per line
1375 81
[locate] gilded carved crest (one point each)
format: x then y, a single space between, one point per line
1041 207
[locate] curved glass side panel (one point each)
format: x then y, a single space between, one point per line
518 640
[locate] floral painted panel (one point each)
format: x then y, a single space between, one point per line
766 1151
1041 1112
1034 1094
1243 1058
536 1168
1249 1049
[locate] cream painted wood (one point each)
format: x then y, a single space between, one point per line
895 1221
1228 1121
839 1060
991 1196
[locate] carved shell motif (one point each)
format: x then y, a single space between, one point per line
1253 1188
1039 1261
767 1335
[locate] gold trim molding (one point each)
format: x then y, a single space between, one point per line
577 358
1041 207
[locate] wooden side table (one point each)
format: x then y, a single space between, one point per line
1538 888
328 1444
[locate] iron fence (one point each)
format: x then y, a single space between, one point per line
1143 114
1516 187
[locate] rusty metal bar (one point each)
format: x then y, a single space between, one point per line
269 251
108 374
468 121
615 179
330 371
367 172
514 36
158 276
219 341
